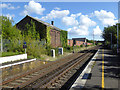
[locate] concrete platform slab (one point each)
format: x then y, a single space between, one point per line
105 73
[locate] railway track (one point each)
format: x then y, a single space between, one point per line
49 74
57 82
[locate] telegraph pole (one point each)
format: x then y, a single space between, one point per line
93 38
118 27
117 38
111 40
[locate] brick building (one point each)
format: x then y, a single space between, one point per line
89 43
41 28
70 42
79 41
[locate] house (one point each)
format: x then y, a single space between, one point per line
79 41
41 28
89 43
70 42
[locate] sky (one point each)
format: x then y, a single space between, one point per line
80 19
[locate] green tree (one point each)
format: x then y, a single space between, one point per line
107 34
11 34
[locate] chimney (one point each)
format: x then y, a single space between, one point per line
52 22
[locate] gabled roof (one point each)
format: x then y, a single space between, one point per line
47 24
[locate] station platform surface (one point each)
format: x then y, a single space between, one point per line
101 73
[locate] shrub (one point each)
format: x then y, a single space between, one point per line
68 48
34 47
81 45
48 50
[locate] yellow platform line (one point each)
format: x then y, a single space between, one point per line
102 69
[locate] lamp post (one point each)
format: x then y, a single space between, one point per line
111 40
117 26
117 38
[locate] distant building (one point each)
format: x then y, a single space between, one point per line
89 43
41 27
79 41
70 42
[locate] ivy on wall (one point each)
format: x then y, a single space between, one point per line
48 37
63 38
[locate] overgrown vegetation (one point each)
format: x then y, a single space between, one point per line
10 53
13 39
11 36
63 37
90 41
107 35
48 38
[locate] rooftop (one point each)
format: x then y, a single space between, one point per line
45 23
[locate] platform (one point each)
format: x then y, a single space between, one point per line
101 73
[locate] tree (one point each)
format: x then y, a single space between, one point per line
107 36
11 34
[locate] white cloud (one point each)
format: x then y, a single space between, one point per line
8 6
82 28
3 5
85 20
57 8
97 31
56 14
75 15
33 7
69 21
107 18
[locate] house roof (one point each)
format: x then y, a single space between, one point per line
47 24
79 39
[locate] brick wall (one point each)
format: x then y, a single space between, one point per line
55 38
78 43
41 29
89 43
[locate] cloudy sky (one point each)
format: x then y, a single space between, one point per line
80 19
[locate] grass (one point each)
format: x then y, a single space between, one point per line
29 57
4 54
65 53
50 58
77 49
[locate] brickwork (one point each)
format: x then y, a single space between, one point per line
55 38
70 42
78 43
89 43
41 29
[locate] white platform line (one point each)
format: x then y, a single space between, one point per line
79 83
17 63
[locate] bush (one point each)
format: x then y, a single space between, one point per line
81 45
68 48
48 50
34 47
